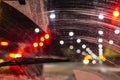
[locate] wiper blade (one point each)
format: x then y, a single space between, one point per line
25 61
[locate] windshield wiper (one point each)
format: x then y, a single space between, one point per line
25 61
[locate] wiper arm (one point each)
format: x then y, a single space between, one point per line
25 61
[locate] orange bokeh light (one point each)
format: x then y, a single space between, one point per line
42 39
12 55
41 44
47 36
15 55
35 44
18 55
4 43
116 13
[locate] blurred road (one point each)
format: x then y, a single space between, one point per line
73 71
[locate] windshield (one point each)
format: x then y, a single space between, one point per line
59 40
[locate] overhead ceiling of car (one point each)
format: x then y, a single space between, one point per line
78 16
82 18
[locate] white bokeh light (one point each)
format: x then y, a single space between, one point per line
100 51
84 53
100 45
85 61
94 61
71 33
37 30
71 47
100 32
87 49
101 16
111 41
117 31
78 40
100 40
78 51
61 42
52 16
83 46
